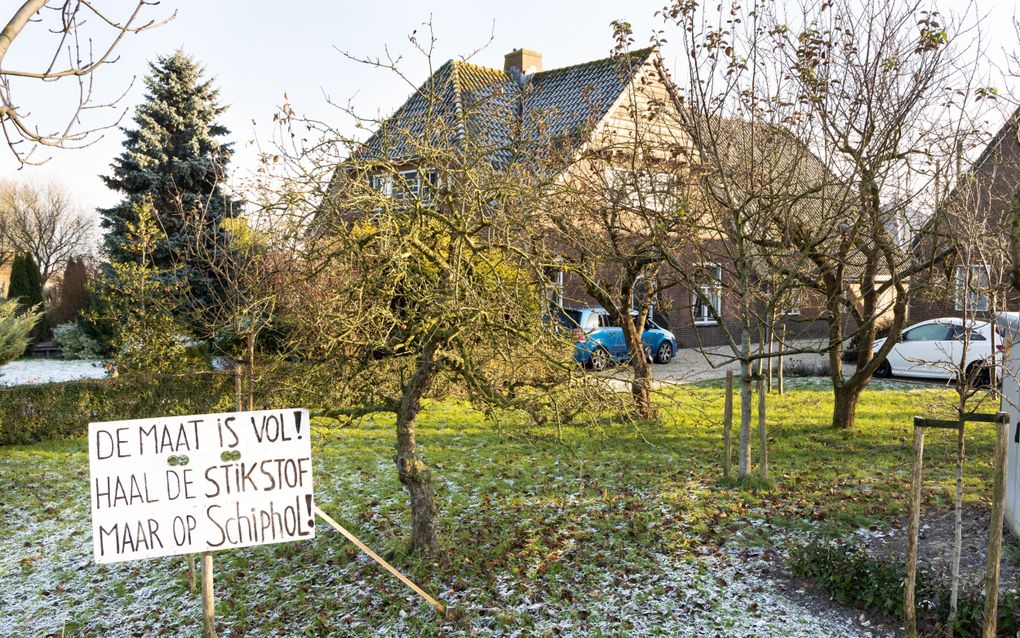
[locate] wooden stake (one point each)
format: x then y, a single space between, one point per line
995 533
390 568
208 603
238 393
909 612
192 580
771 348
728 426
779 361
763 442
761 350
954 585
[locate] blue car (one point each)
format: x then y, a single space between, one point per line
598 342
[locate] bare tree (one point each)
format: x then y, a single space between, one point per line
747 168
44 222
78 53
875 77
861 90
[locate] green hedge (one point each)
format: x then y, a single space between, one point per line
34 413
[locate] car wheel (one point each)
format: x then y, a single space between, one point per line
665 352
884 370
599 360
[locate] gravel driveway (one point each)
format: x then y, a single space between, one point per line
693 364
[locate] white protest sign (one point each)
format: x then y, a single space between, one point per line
189 484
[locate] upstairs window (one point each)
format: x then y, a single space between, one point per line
406 185
383 184
972 288
642 190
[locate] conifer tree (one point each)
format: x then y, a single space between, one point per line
74 294
172 160
26 283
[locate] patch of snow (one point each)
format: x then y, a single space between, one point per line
33 371
219 363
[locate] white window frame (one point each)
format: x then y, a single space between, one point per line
555 277
649 190
711 290
410 184
795 300
383 183
978 301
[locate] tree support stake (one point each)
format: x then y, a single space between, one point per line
390 568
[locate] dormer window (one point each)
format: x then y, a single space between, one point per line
383 184
406 184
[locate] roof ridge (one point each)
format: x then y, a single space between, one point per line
458 104
459 63
638 53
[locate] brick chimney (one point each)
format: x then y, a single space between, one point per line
526 62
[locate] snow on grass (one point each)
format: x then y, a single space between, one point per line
632 533
33 371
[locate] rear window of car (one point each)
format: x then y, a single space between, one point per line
928 332
974 334
569 318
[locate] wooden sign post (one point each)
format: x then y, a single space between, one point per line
208 601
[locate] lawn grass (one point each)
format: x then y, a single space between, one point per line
610 531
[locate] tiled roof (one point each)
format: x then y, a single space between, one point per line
463 103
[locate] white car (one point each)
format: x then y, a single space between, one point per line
933 349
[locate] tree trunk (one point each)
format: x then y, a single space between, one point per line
845 409
746 370
954 585
641 388
411 469
251 372
641 384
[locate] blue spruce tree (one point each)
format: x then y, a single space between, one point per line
173 160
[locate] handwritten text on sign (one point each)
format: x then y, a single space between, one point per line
181 485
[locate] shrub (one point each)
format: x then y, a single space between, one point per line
15 329
805 368
74 343
34 413
856 578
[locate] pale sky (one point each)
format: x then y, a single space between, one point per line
257 50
